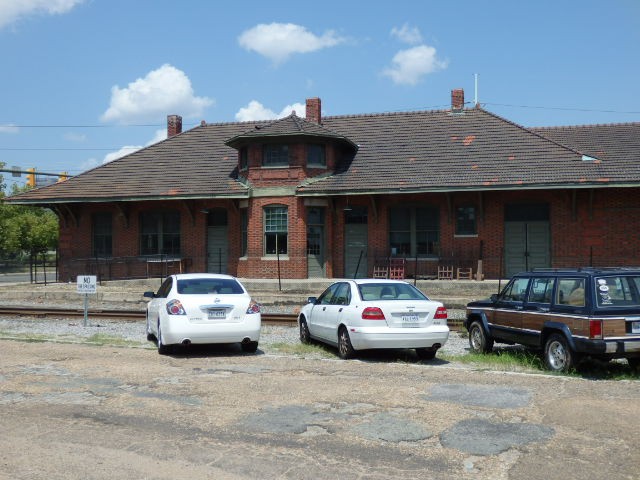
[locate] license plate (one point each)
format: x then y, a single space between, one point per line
635 327
215 314
410 319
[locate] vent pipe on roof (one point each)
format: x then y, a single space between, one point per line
174 125
313 113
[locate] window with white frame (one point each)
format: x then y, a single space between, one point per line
276 227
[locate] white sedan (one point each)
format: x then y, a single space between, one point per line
372 313
202 308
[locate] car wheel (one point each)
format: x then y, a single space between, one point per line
345 349
305 336
558 356
162 348
634 363
249 347
426 353
479 341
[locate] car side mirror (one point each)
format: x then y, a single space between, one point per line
149 295
312 300
494 297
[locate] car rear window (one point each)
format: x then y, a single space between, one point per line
209 286
390 291
618 291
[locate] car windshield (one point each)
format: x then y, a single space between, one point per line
209 286
618 291
390 291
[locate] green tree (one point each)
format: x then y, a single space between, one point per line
25 229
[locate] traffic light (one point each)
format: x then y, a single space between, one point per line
63 176
31 177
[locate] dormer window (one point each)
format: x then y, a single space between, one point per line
316 155
275 155
244 158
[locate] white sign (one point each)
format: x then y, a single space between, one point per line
87 284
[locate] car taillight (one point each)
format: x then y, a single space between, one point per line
595 328
174 307
441 313
372 313
254 307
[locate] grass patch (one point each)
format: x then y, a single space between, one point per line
102 339
302 349
512 360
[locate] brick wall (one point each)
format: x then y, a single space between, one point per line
599 227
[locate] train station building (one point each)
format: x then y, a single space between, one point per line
409 194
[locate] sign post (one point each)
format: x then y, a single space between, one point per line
87 285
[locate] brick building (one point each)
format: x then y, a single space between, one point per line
341 196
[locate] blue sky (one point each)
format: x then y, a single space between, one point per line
84 81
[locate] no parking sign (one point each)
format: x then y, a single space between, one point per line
87 285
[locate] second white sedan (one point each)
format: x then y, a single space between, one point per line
371 313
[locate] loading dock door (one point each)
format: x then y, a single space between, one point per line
356 239
527 242
217 241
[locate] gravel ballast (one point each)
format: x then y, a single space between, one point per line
134 333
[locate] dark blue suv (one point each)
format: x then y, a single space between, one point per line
567 313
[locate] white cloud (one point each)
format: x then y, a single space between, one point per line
256 111
126 150
278 41
12 129
12 10
161 92
409 66
407 34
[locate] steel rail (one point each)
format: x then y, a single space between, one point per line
124 315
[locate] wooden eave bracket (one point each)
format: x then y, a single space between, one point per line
71 214
374 208
124 213
190 206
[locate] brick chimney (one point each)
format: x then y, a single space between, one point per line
457 100
313 110
174 125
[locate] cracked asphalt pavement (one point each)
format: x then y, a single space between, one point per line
89 412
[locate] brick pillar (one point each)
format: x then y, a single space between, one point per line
313 110
174 125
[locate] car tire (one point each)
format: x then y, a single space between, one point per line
558 356
345 349
479 340
305 336
249 347
426 353
162 348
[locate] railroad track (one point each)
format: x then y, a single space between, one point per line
124 315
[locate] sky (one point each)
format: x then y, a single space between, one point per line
86 81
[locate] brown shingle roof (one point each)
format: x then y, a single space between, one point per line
287 127
410 151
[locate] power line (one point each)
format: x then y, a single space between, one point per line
561 108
